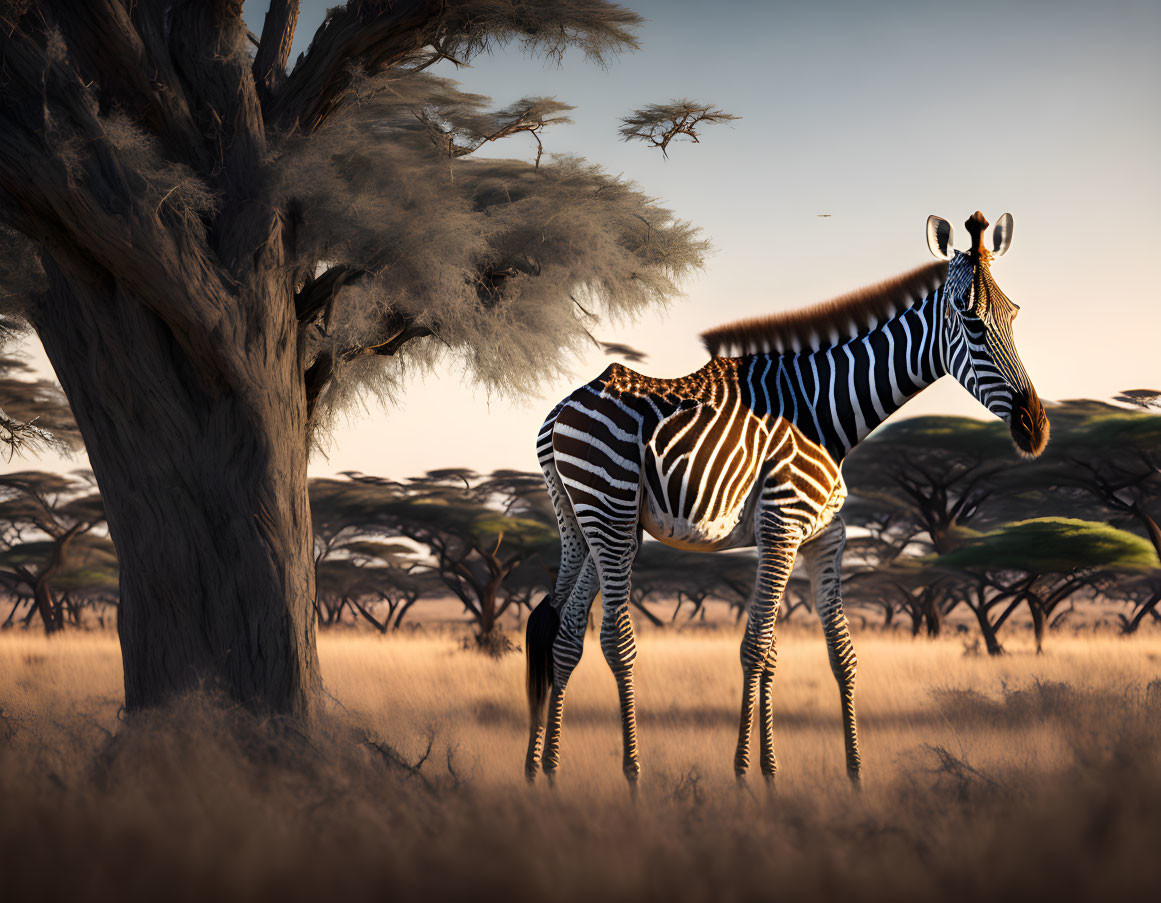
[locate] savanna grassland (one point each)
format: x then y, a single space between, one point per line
1019 777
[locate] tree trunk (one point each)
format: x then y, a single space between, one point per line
1038 624
403 610
204 486
991 641
931 614
916 614
45 606
51 612
488 606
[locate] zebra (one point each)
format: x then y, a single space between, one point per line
747 451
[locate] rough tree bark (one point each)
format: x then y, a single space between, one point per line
174 326
222 592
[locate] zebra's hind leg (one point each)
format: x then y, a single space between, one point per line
823 561
545 622
620 648
768 760
543 626
614 549
777 547
566 654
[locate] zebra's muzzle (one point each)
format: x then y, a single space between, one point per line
1029 424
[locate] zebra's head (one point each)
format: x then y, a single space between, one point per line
977 317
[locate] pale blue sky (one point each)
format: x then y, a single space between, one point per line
878 114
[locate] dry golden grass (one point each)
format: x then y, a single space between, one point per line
1022 775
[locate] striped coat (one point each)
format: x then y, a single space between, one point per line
747 451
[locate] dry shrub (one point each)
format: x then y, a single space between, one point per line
494 643
203 801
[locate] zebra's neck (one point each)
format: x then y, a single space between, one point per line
838 394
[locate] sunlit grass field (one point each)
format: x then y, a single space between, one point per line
981 775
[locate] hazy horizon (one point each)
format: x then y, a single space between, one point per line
877 116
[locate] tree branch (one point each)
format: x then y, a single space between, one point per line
81 210
364 39
319 292
136 71
274 46
659 124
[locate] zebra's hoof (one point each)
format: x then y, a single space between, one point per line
743 785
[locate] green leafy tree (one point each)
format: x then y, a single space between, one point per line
917 488
1041 562
1107 460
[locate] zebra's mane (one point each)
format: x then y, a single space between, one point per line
826 324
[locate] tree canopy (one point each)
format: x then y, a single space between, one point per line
220 250
1053 544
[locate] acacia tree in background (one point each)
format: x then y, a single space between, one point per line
917 487
474 533
478 531
378 581
1041 562
1145 399
1144 591
217 253
931 475
1116 461
34 414
663 573
42 515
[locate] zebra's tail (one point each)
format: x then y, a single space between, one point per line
543 624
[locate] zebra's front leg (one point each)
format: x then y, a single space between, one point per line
777 546
824 562
566 654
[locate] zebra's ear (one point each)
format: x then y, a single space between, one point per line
939 237
1002 234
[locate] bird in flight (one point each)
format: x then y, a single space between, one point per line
627 352
822 214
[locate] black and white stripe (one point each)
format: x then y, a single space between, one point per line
747 451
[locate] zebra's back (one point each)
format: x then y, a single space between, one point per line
689 456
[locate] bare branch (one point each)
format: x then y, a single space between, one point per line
274 46
529 115
658 124
319 292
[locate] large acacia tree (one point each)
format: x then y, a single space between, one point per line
216 251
